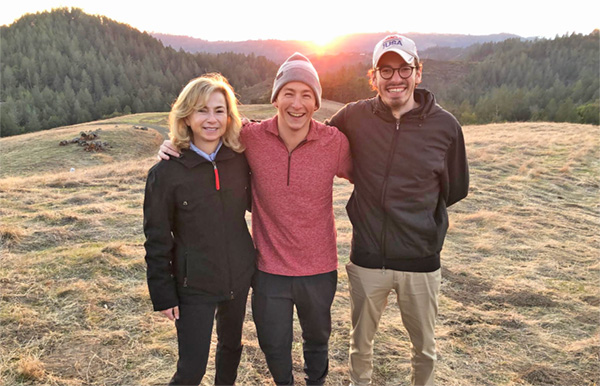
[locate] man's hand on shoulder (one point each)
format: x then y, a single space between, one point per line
167 150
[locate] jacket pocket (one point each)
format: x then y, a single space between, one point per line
180 266
205 271
185 270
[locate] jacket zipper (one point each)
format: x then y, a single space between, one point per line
217 181
384 192
218 187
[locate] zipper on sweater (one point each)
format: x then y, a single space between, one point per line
289 169
384 193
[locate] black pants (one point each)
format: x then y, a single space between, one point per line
273 300
194 330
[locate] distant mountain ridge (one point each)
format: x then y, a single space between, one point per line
65 67
279 50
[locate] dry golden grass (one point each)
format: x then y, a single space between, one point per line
520 294
39 152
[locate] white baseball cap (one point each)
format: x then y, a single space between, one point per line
399 44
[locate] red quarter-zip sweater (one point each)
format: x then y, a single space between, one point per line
292 209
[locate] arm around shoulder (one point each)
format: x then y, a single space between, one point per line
167 150
345 166
338 120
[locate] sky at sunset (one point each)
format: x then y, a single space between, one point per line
322 21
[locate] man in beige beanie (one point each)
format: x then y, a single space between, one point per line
293 160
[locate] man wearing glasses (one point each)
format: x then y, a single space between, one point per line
409 165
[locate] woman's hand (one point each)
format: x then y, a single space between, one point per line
167 149
171 313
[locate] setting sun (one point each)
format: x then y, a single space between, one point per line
322 43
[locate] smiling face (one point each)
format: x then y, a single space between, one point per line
396 92
209 122
296 104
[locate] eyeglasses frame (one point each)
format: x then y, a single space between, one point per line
412 69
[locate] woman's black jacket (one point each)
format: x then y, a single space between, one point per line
196 235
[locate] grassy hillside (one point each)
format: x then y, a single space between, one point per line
520 293
125 140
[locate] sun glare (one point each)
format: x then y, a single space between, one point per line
322 43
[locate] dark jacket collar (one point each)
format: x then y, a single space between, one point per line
191 159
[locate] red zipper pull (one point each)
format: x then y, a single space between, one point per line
217 182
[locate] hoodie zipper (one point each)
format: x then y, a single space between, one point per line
384 193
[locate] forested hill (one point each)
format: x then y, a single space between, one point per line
542 80
65 67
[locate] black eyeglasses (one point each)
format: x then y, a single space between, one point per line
388 72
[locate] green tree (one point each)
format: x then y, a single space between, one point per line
8 122
589 113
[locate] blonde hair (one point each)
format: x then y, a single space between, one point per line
194 95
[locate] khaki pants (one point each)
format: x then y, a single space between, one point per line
417 294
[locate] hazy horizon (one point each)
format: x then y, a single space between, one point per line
265 19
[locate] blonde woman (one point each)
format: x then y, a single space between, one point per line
199 253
